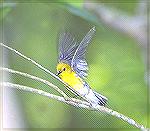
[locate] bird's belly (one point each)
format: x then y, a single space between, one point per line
73 81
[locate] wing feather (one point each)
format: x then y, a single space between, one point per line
74 54
78 62
67 47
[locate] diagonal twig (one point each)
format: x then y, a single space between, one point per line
43 68
71 101
77 103
35 78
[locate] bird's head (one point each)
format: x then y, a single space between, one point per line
63 68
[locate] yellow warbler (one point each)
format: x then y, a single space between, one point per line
72 66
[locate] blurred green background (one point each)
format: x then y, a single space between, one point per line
116 68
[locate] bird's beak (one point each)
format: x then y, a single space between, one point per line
59 72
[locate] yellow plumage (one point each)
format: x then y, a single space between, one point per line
72 67
69 76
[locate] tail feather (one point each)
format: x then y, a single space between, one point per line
102 99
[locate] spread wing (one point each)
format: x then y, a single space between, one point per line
78 62
66 48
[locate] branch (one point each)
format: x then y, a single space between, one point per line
37 79
44 69
40 80
76 103
71 101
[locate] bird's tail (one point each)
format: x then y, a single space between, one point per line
102 99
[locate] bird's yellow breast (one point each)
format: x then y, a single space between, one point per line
72 80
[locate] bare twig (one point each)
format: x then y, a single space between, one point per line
71 101
43 68
77 103
35 78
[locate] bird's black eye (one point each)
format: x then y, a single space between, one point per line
64 69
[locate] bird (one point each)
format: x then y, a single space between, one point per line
72 67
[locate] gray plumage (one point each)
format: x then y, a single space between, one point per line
73 53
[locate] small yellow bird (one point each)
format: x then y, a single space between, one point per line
72 66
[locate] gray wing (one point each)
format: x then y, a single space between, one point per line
79 63
66 48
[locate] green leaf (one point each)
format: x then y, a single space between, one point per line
85 14
75 3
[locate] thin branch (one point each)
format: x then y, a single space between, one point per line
43 68
71 101
77 103
35 78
